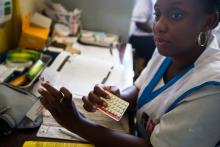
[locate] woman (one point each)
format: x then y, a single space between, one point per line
177 94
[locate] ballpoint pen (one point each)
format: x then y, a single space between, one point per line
63 63
66 132
110 49
107 76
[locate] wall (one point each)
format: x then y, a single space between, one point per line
104 15
27 6
10 32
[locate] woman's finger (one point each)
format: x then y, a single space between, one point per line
53 91
98 90
67 95
88 105
86 108
96 100
52 101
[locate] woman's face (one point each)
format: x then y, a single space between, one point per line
177 25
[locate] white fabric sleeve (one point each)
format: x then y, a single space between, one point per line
141 11
194 123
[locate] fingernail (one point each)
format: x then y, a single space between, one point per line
105 104
108 96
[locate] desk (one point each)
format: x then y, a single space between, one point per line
18 137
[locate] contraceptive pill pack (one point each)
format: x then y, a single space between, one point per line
116 106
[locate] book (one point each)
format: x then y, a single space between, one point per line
54 144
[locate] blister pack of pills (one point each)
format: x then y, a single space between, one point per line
116 107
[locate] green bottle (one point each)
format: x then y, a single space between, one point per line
35 69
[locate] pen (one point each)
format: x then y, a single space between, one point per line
71 134
107 76
110 49
63 63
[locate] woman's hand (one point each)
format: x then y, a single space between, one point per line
93 99
60 105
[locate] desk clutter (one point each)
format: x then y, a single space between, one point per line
22 67
71 71
98 38
84 58
80 73
34 35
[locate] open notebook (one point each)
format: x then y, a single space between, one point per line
81 73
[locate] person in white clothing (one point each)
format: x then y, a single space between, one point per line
216 32
140 34
177 96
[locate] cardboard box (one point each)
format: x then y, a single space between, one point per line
31 36
40 20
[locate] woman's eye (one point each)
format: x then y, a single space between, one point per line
176 16
156 15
